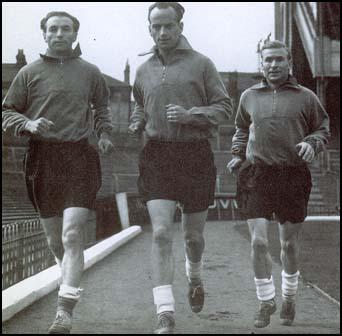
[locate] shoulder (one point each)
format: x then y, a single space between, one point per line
33 67
146 65
250 92
198 58
308 96
87 66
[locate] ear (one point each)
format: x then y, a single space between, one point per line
74 37
290 67
44 36
181 26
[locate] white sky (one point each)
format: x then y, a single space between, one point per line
111 33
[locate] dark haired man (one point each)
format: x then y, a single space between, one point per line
280 127
51 100
180 101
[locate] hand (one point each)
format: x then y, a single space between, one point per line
305 151
234 164
177 114
105 145
40 126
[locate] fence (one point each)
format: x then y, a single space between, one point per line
24 251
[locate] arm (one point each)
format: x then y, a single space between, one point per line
219 108
318 125
14 106
241 136
137 120
102 120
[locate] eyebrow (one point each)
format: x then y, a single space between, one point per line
64 26
274 57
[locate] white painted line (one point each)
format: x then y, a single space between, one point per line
24 293
322 292
322 219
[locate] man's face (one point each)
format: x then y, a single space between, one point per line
60 34
276 65
164 28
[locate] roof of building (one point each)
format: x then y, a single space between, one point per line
112 82
9 71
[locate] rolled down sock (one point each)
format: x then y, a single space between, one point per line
69 292
289 286
265 289
193 270
66 305
163 298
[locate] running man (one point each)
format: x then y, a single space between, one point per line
280 127
180 101
51 100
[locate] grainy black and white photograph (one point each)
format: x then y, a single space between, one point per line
170 167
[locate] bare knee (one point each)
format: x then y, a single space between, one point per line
72 239
54 243
259 245
162 236
288 247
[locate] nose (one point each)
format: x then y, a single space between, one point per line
162 31
274 63
59 32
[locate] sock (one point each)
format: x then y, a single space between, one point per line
265 289
163 298
193 270
289 285
69 292
65 304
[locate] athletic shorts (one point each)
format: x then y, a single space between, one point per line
180 171
61 175
282 191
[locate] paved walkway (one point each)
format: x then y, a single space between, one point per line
117 297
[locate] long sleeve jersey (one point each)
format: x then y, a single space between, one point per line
71 93
270 123
189 80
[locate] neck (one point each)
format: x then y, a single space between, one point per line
59 54
166 55
275 85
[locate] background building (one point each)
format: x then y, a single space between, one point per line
312 32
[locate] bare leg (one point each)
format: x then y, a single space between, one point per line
161 213
261 258
73 230
53 230
193 226
288 235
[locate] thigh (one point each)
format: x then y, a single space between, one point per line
289 231
258 228
83 177
157 180
194 222
196 178
161 213
294 196
255 193
52 226
75 219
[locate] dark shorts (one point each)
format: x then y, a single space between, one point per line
61 175
183 172
282 191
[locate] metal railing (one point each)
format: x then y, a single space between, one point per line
24 251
